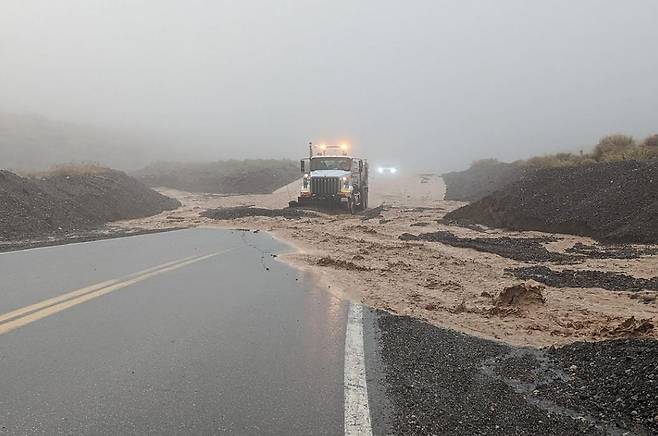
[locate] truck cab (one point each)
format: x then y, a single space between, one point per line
332 176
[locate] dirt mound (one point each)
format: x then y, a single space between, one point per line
615 201
63 203
584 279
481 179
521 249
230 213
258 176
523 294
340 264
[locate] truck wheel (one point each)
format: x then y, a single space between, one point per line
362 200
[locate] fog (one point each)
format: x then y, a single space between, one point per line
428 84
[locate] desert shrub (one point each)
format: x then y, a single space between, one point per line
558 160
612 146
639 153
651 141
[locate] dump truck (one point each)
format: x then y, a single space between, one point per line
332 177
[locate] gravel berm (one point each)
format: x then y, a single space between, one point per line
64 203
613 202
481 179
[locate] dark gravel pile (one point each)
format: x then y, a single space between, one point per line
617 380
584 279
435 381
521 249
62 203
230 213
611 252
480 180
615 202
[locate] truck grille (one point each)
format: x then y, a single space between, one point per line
325 185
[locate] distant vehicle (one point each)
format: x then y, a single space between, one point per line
387 170
332 176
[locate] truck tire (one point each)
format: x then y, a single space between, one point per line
363 198
350 205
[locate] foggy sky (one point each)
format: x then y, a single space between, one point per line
427 83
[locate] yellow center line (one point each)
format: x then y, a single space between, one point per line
26 315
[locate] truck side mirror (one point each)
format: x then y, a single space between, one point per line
303 166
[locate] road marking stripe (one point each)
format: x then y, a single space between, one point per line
357 411
60 298
69 302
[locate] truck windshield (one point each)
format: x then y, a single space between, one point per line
331 163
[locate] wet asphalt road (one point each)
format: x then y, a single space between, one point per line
231 341
237 343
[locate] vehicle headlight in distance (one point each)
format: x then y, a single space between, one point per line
394 170
380 170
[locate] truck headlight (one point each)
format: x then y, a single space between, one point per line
346 183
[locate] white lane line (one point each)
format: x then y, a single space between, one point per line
357 411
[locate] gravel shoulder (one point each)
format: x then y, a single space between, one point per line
445 382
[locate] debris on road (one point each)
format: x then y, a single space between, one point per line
231 213
522 249
611 252
375 212
584 279
445 284
629 327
